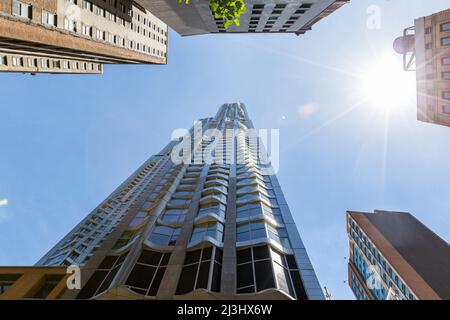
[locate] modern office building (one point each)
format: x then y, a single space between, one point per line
394 256
78 36
212 226
289 16
426 50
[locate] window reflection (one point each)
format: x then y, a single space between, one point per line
209 229
164 235
196 270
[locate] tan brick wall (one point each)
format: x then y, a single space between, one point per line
6 6
35 34
434 88
38 6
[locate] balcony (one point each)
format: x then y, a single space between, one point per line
216 182
213 198
215 189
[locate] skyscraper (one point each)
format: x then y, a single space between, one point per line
208 224
394 256
288 16
426 49
78 36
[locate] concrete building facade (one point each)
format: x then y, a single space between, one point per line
215 226
433 68
426 50
42 283
395 257
288 16
95 32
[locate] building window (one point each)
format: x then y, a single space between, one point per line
251 231
164 235
202 269
32 62
2 60
446 95
445 41
101 12
214 209
174 216
7 280
112 38
428 46
124 239
70 25
446 75
48 18
254 270
208 229
22 9
445 26
138 219
45 63
279 235
428 30
86 30
261 267
446 109
17 61
101 35
446 61
87 5
49 283
253 209
148 272
102 277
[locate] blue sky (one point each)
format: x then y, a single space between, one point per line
68 141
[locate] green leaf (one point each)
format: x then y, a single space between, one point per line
228 10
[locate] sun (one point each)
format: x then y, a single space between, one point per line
386 86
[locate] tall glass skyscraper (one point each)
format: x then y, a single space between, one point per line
203 219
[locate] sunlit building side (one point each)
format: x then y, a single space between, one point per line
426 49
213 226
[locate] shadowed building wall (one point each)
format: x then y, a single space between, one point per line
394 256
284 16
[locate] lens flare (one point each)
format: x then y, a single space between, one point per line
386 86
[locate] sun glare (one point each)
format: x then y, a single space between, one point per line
386 86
